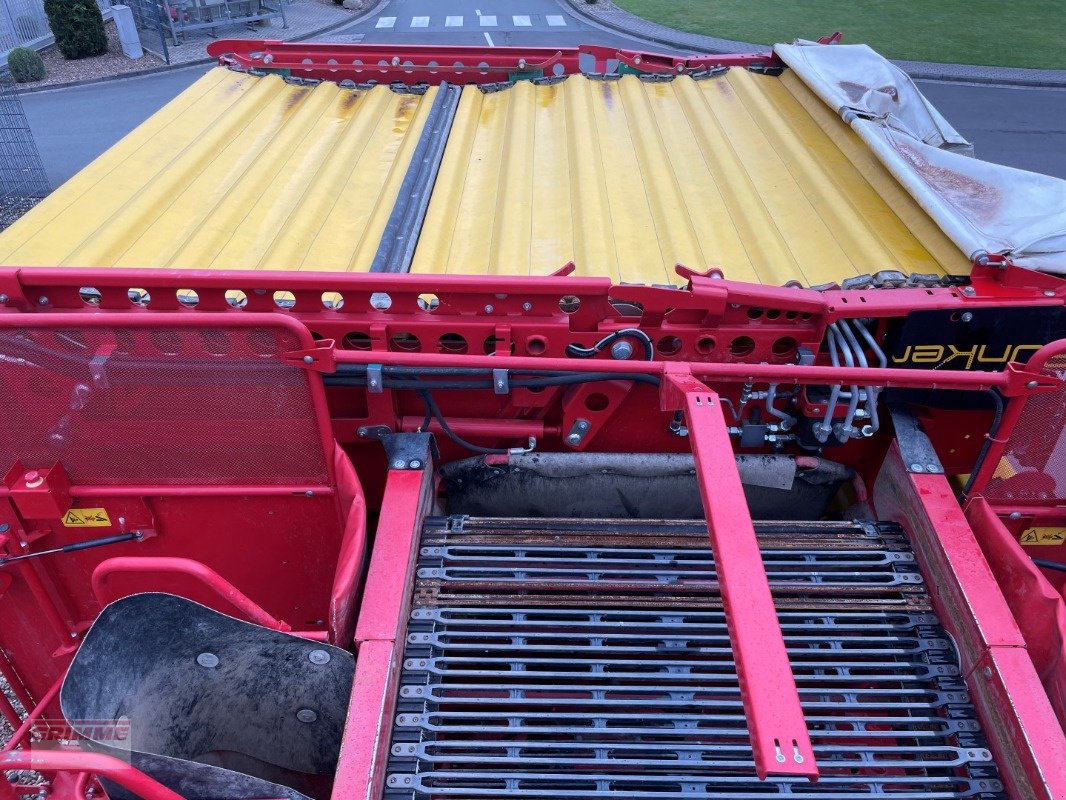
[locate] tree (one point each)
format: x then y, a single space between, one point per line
78 27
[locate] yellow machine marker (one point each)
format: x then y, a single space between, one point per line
86 518
1043 536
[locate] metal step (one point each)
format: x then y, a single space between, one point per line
591 659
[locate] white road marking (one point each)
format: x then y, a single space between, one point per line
419 22
489 39
521 21
385 22
555 20
453 22
487 20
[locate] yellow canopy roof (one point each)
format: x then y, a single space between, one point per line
624 177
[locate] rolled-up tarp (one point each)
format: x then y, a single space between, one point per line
983 207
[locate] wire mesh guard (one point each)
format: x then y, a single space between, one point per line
22 178
159 405
591 659
1033 466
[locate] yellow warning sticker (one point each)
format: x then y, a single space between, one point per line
86 518
1043 536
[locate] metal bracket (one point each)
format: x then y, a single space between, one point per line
914 445
501 382
578 431
373 431
375 383
409 451
319 358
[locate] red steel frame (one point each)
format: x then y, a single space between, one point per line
380 632
779 738
433 64
1011 416
1017 716
970 599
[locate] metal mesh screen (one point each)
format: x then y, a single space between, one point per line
22 177
158 405
1033 467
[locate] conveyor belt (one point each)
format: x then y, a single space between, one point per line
591 659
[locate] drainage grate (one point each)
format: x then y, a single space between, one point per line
585 658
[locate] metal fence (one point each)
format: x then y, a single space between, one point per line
22 176
23 23
151 25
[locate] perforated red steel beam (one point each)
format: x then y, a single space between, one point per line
779 737
432 64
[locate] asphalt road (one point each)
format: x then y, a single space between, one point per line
73 126
1013 125
1020 127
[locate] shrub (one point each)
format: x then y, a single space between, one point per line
78 27
25 65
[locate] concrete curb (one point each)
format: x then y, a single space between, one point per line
354 20
608 15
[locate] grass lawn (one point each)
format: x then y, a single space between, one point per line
1006 33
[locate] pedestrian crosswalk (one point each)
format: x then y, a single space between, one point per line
474 21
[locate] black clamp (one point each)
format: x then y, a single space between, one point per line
410 451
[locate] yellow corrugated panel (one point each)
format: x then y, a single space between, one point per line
238 172
628 178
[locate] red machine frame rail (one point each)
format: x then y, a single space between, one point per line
780 741
432 64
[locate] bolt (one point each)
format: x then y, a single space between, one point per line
932 468
3 299
5 527
966 317
362 432
306 715
73 634
416 464
488 309
573 438
1031 385
582 424
527 306
1016 515
209 660
319 656
309 493
1049 293
42 300
969 291
987 672
309 359
917 468
622 350
399 464
373 383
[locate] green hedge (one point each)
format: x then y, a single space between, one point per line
25 65
78 27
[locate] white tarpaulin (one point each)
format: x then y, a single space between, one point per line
983 207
